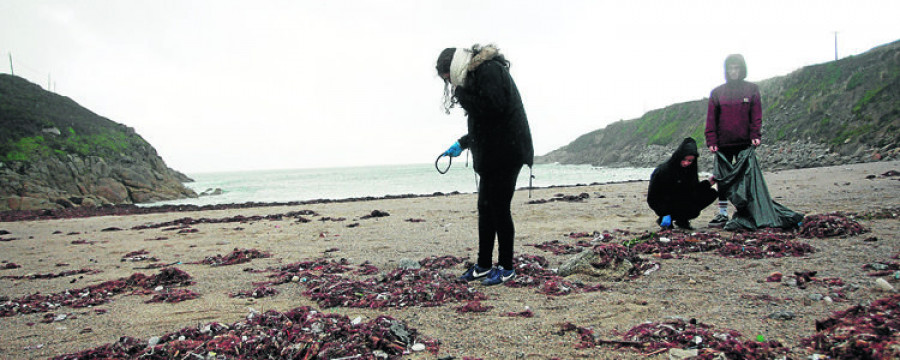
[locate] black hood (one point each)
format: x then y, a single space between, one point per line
739 60
688 147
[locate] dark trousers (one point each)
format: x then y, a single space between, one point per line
495 194
691 208
729 153
687 205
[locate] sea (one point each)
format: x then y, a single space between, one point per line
379 181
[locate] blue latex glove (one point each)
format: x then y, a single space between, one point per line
666 221
454 150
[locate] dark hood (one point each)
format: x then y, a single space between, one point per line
688 147
739 60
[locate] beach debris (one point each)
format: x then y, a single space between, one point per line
93 295
804 277
399 288
83 242
830 225
188 221
860 332
774 277
414 220
301 333
4 232
406 263
771 250
53 275
559 248
763 298
441 262
327 284
173 296
474 306
236 256
3 239
677 333
532 272
9 265
562 197
366 268
882 268
889 173
259 292
608 262
138 255
112 228
375 214
782 315
882 284
527 313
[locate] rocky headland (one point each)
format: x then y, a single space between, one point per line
56 154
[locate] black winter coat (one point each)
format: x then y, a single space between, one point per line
674 189
499 136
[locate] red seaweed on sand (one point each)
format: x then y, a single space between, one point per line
830 225
259 292
53 275
237 256
527 313
93 295
399 288
301 333
860 332
441 262
559 248
187 221
532 272
473 307
655 337
173 296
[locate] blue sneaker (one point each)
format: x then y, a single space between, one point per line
498 275
475 272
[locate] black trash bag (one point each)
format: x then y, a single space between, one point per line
747 190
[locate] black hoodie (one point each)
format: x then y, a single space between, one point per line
673 186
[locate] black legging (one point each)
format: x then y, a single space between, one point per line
495 194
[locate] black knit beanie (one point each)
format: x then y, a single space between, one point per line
444 60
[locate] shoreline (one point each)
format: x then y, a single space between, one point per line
139 209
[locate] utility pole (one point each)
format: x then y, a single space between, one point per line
835 46
11 72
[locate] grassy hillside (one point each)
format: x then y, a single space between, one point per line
848 104
31 117
56 154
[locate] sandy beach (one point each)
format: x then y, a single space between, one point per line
725 292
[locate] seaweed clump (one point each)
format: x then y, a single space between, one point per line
709 342
301 333
860 332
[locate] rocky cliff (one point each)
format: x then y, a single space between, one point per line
55 153
845 111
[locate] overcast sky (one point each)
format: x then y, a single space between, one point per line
220 85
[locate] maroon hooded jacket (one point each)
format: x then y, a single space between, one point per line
734 116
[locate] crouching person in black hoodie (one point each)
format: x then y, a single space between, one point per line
676 194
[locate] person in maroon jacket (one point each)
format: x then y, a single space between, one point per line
733 120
